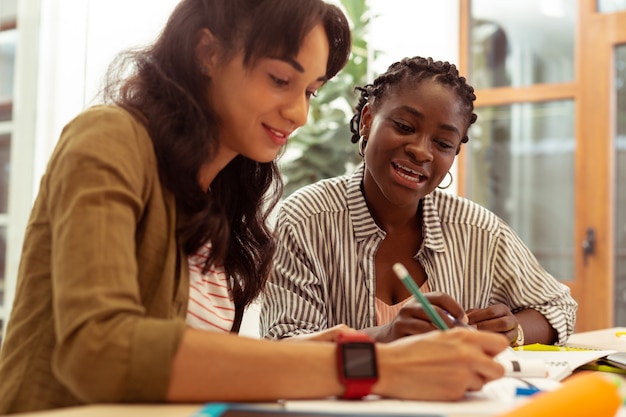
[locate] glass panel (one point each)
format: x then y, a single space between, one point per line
7 61
5 169
620 190
608 6
3 250
521 43
521 166
3 247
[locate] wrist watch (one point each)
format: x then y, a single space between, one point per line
519 341
356 363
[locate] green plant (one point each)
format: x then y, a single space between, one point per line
322 148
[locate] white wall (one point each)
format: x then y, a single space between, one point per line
406 28
414 27
79 38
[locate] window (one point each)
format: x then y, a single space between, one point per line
8 40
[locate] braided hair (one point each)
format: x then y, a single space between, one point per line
414 70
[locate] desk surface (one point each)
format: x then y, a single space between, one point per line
613 338
135 410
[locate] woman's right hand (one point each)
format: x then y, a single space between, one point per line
438 366
413 318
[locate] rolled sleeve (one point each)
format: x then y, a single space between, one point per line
524 283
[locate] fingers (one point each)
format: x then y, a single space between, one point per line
444 303
331 334
495 318
440 365
327 335
413 319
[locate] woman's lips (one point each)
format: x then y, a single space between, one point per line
277 136
408 174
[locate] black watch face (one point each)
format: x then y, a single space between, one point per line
359 360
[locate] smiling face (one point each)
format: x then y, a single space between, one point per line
260 106
413 133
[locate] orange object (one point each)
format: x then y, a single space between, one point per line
582 395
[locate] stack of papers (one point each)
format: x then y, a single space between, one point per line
561 361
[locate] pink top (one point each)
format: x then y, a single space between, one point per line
385 313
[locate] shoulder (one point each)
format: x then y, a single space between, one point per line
106 124
325 196
104 112
453 209
105 139
107 133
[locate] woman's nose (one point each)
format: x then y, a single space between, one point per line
297 111
420 149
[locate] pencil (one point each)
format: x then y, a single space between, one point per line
410 284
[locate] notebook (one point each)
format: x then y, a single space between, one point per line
561 361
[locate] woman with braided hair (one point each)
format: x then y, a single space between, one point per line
339 238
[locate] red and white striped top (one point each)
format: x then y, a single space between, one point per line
211 306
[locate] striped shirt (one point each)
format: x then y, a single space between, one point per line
211 306
324 271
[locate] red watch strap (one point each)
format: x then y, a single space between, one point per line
357 386
358 389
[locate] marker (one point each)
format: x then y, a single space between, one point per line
524 368
526 392
410 284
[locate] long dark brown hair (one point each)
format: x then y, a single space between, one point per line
164 83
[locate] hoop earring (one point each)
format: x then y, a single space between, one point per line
449 184
362 145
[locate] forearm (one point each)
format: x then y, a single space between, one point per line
436 366
536 327
217 367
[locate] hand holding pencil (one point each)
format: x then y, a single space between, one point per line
513 366
450 313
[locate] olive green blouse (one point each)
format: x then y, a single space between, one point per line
103 286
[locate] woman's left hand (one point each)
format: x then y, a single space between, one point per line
496 318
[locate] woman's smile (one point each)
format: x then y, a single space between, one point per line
408 176
277 136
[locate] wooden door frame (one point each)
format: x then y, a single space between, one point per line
595 37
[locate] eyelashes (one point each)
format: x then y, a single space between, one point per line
283 83
279 81
408 130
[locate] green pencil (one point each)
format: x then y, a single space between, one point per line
410 284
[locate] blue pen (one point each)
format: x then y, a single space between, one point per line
408 282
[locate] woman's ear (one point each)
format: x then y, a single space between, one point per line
207 51
366 120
